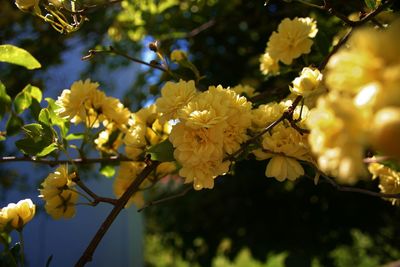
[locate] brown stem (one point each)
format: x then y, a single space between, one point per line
358 190
334 50
54 162
121 202
112 50
96 199
162 200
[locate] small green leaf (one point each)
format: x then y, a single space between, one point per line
15 55
22 101
34 131
14 124
5 100
107 170
44 117
47 150
163 151
35 92
74 136
371 4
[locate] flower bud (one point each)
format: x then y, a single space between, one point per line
17 215
308 82
26 5
386 131
178 55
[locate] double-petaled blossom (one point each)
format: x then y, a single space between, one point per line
15 216
58 192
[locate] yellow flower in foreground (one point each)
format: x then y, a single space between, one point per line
282 168
17 215
173 97
389 180
292 39
57 191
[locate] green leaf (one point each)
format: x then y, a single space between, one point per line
14 124
44 117
322 43
15 55
22 101
33 131
5 100
107 170
371 4
47 150
163 151
74 136
35 92
63 124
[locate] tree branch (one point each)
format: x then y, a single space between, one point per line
51 162
96 199
121 202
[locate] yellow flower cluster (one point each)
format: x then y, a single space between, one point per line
58 192
145 130
283 145
84 102
389 180
292 39
15 216
362 108
210 125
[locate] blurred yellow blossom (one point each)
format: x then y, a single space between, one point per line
178 55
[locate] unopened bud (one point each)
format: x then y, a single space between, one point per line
153 46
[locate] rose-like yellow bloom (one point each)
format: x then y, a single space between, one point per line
57 191
292 39
62 205
338 135
17 215
389 180
128 172
114 111
178 55
268 65
173 97
266 114
307 83
103 142
73 102
284 145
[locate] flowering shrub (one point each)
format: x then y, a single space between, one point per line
339 122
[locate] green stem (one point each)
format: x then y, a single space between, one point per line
21 240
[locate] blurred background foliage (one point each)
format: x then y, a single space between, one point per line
247 219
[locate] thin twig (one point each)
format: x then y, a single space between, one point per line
335 49
121 202
162 200
53 162
96 199
112 50
358 190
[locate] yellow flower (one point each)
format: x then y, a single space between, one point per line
268 65
282 168
62 205
103 142
307 83
266 114
127 173
17 215
114 111
174 96
72 102
57 191
292 39
245 90
389 180
178 55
